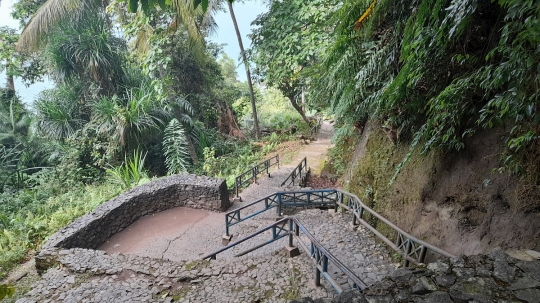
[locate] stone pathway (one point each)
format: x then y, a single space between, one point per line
175 272
93 276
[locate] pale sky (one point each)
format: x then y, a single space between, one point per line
245 14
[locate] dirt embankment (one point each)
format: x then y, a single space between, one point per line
455 201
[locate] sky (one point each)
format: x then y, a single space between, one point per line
225 34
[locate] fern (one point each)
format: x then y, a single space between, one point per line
175 148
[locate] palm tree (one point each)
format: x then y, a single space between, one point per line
127 120
58 115
48 16
186 10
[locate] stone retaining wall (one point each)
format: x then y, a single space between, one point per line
496 277
93 229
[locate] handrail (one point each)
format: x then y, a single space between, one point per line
406 244
253 172
297 173
279 200
318 253
411 248
315 129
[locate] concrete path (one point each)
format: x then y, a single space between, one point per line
149 264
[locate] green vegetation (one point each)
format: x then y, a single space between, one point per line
431 73
159 100
125 109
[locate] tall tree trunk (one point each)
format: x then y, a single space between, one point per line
248 73
10 82
298 108
192 151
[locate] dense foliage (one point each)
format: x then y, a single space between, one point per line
432 72
125 108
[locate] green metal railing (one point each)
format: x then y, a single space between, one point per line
251 174
298 175
279 200
292 228
411 248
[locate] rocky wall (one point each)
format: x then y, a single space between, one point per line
496 277
94 228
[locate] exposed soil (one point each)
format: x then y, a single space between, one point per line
321 182
455 201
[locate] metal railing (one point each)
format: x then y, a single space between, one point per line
412 249
315 129
278 200
251 174
300 173
409 247
292 227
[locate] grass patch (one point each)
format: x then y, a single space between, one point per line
29 216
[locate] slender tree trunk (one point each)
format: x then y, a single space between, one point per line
248 73
298 108
303 100
192 151
10 82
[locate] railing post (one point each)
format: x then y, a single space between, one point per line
236 186
296 230
274 234
407 252
277 156
317 271
325 264
291 235
226 226
254 174
422 256
279 205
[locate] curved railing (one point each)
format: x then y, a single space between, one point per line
298 175
411 248
251 174
292 227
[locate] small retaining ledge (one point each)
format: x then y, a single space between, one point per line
113 216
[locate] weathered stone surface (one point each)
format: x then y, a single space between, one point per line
473 289
464 280
531 268
528 295
523 283
502 269
445 281
423 286
435 297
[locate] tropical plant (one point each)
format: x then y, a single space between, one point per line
175 148
59 114
131 172
86 50
127 120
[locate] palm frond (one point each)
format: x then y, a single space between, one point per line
46 17
175 148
